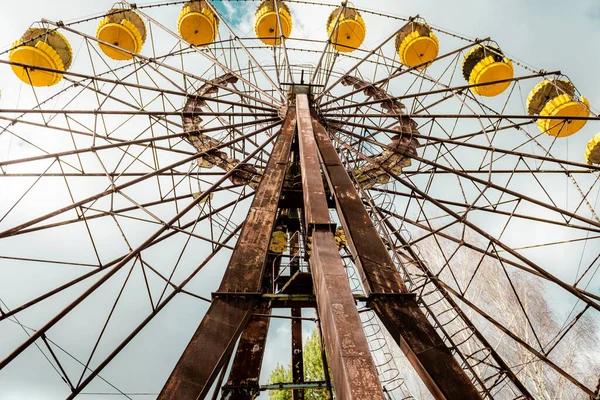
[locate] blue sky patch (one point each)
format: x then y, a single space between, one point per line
232 11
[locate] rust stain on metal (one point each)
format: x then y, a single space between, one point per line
227 316
297 353
243 379
316 211
354 373
400 314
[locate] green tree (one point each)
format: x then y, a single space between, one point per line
313 371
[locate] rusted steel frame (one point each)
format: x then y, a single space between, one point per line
131 208
435 103
125 141
219 382
452 141
243 382
110 174
438 325
138 112
132 254
164 121
326 368
490 210
131 142
115 189
471 116
438 91
515 125
397 309
285 317
570 289
137 86
248 53
479 250
355 66
241 284
532 271
335 25
282 39
353 370
241 147
509 192
294 386
138 329
423 267
109 264
354 373
316 211
500 171
118 100
203 53
514 337
297 352
296 320
396 74
64 375
155 60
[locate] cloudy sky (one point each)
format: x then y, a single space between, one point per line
546 34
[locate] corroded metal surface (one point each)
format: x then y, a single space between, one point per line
316 211
230 311
352 367
245 174
243 379
297 353
353 370
407 324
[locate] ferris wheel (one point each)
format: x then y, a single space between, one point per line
158 152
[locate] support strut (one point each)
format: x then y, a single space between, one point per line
354 373
238 294
395 306
243 379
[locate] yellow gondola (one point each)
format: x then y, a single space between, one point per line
485 64
279 240
556 98
197 24
350 31
592 152
416 44
42 48
340 238
266 26
122 28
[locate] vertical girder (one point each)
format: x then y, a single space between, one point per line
353 370
237 297
243 379
296 313
297 353
396 308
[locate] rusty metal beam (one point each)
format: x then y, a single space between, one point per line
297 353
395 306
354 373
245 372
237 297
296 314
316 211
